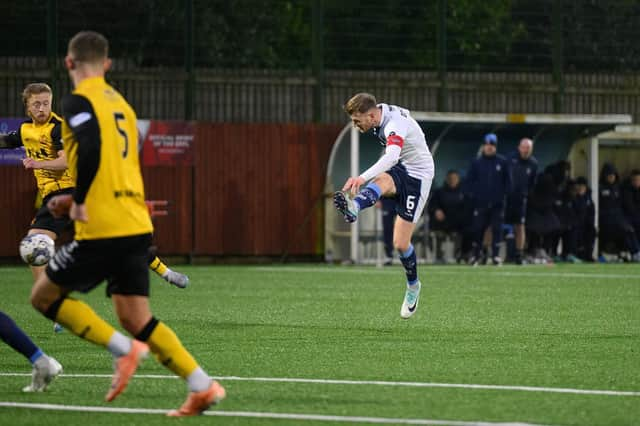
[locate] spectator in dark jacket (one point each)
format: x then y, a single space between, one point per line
524 169
543 224
488 183
631 200
560 172
449 211
447 206
586 214
613 224
571 216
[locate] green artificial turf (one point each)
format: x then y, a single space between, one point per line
567 326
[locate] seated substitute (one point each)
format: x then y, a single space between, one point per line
448 210
614 228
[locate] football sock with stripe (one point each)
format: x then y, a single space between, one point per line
409 261
168 349
368 196
13 336
157 266
78 317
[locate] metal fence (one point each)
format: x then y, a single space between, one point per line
244 96
298 60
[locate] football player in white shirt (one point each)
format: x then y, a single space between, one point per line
404 172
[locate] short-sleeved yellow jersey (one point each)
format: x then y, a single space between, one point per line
42 142
115 194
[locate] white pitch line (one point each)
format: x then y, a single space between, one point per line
369 382
262 415
460 271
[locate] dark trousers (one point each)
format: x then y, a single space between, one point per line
570 241
618 232
484 217
586 241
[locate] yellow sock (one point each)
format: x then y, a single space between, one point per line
81 320
157 266
166 346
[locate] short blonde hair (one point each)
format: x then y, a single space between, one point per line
34 89
88 46
360 102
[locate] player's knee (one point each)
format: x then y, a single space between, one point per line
401 245
132 324
39 300
385 183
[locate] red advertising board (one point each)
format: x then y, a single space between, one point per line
166 143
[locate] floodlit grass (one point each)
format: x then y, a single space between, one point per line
574 327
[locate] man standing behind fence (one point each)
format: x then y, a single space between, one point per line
524 169
488 182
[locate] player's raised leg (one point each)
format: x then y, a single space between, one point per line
365 198
136 317
45 368
169 275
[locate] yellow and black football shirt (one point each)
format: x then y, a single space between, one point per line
101 142
42 142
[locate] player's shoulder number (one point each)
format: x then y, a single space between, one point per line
400 110
119 117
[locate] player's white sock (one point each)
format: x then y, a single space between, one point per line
119 344
198 380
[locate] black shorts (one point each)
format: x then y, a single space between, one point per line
516 212
45 220
123 262
411 193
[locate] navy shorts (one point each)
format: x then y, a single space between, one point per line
516 212
123 262
45 220
411 193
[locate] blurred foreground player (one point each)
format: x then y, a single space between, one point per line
45 368
112 233
41 137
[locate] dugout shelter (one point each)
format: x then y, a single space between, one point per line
454 140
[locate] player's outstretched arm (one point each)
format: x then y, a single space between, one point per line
59 163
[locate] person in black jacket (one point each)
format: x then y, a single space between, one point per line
524 169
488 183
614 226
631 200
543 224
448 209
447 205
585 221
571 215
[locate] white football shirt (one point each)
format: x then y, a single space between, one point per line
398 129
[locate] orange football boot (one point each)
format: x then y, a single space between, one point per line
198 402
125 367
